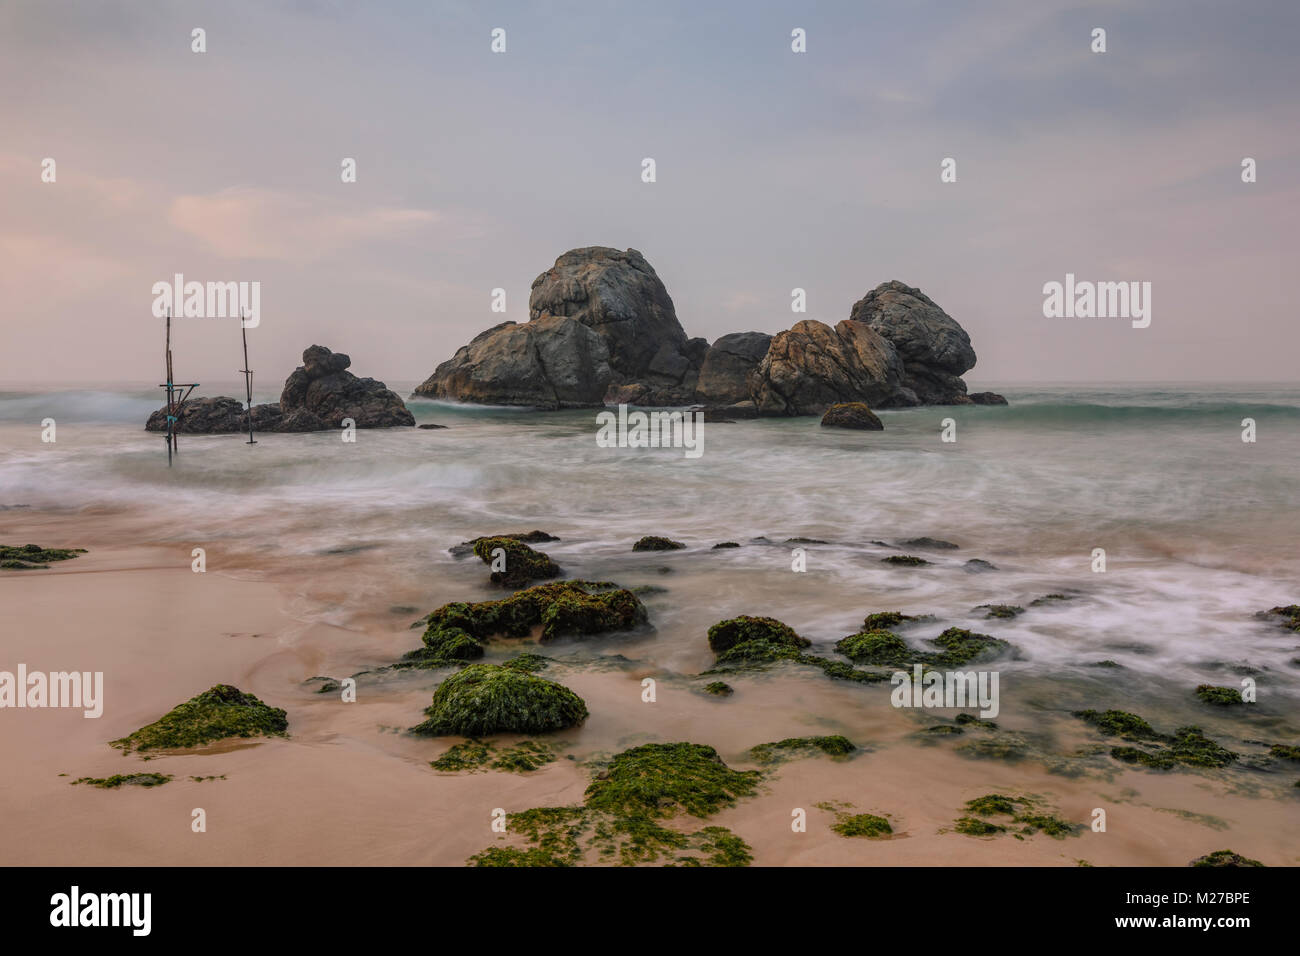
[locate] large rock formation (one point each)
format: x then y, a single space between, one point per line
603 330
724 374
553 362
601 326
812 366
322 390
318 395
935 350
213 416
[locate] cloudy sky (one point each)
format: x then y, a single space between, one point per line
775 170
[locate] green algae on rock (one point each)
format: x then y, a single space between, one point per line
457 631
993 803
862 825
652 542
619 818
884 620
487 699
1288 615
33 557
528 663
996 804
1224 858
131 779
1004 611
971 826
905 561
659 780
521 564
1223 696
1284 752
1119 723
719 688
738 630
956 646
1187 745
835 746
478 755
527 537
216 714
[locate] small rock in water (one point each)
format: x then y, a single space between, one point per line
978 565
653 542
852 415
932 544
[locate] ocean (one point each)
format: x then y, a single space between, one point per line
1199 528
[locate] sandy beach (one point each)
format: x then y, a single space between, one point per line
349 786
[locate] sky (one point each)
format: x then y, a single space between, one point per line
775 170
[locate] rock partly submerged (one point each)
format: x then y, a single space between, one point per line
602 329
216 714
318 395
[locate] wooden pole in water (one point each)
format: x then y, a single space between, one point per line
171 438
175 404
248 380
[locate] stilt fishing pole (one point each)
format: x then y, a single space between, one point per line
248 379
173 403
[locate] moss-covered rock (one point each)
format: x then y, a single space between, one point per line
905 561
835 746
126 779
956 646
973 826
661 780
1003 611
528 663
443 647
862 825
723 545
466 548
992 804
1287 615
488 699
884 620
216 714
523 565
1192 747
1224 858
719 688
879 648
475 755
1155 760
1284 752
1119 723
32 557
1222 696
738 630
456 632
653 542
1187 745
619 819
1019 809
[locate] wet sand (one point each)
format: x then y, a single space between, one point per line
350 787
